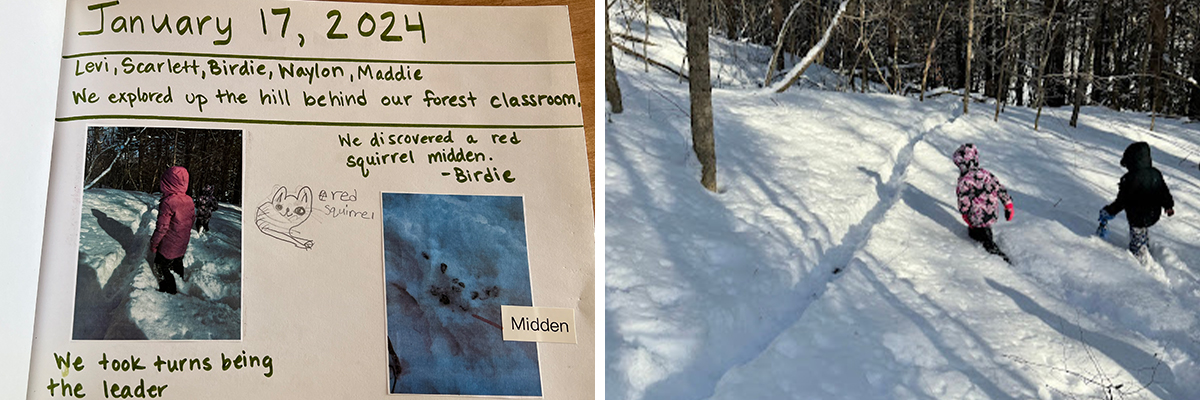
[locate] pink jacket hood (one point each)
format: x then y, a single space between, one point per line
174 181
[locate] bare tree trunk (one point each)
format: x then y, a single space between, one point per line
612 90
1194 97
1018 63
894 22
1002 84
1082 81
864 81
120 150
1101 43
778 24
929 53
730 26
808 59
1055 91
970 39
779 43
700 92
646 37
1158 40
1041 87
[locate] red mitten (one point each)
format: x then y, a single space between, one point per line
1008 211
1170 212
966 220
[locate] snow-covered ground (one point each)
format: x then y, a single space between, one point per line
116 294
450 262
833 263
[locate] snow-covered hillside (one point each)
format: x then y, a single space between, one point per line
834 265
116 293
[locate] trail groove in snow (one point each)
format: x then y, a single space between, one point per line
116 292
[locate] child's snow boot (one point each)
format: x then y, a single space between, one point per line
1102 230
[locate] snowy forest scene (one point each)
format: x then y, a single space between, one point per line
119 293
915 199
450 262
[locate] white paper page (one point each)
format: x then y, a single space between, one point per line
392 186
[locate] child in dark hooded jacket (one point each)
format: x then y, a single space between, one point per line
176 214
1143 195
980 195
206 205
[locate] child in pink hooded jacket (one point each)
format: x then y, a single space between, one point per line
980 196
176 214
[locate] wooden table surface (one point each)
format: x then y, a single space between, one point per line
583 31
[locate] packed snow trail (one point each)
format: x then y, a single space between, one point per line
738 286
100 262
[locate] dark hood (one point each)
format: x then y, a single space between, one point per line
1137 156
174 181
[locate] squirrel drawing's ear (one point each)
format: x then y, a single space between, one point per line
279 194
305 195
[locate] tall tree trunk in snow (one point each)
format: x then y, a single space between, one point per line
700 92
1018 62
777 20
1056 89
730 23
612 91
779 43
1101 44
987 43
929 52
863 43
1082 80
967 70
894 20
1046 52
646 38
1158 41
1120 87
1002 83
1194 101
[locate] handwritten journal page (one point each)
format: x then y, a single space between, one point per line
316 200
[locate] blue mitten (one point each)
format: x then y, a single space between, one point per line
1102 230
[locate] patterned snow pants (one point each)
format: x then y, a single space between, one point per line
1139 241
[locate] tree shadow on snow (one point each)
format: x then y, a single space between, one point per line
95 307
1146 368
937 337
667 215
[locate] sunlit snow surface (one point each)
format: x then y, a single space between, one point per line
116 294
735 296
450 263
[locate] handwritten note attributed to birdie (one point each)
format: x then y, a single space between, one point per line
315 200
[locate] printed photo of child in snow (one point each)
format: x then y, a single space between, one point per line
157 259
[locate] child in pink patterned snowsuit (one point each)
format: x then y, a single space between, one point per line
176 213
980 196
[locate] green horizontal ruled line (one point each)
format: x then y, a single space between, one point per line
310 123
285 58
